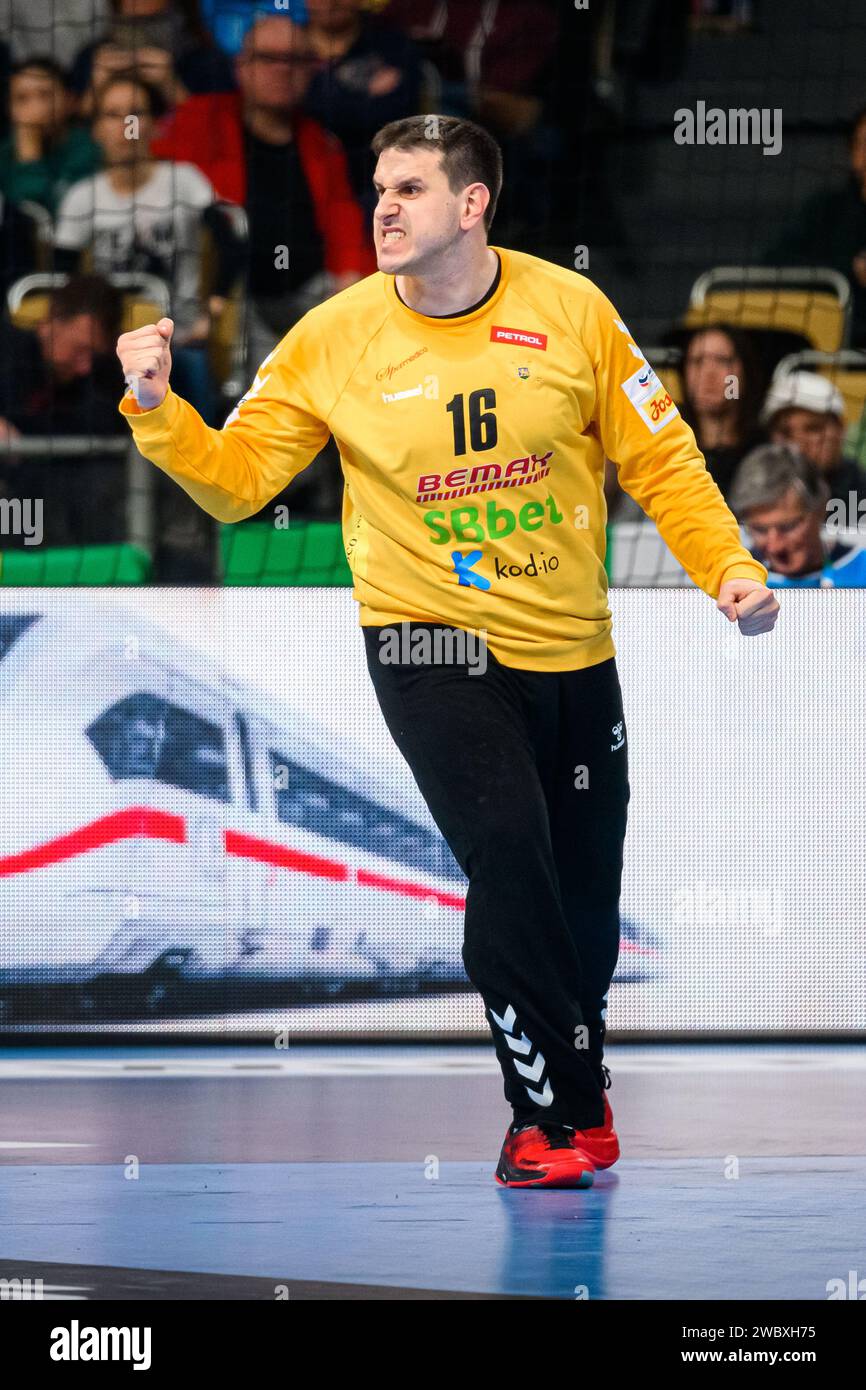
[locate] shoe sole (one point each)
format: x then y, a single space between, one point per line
559 1175
581 1182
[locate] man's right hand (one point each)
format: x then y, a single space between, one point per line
145 357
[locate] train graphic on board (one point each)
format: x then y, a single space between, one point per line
173 840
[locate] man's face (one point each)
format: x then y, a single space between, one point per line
788 536
276 66
36 100
113 129
415 199
710 361
819 437
69 346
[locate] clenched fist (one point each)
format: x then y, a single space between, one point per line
146 361
750 604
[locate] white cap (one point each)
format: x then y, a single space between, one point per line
802 391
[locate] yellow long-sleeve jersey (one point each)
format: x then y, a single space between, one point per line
472 449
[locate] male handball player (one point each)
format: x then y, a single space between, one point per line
473 393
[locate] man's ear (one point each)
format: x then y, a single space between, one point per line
477 198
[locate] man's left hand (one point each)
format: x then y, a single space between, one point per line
749 603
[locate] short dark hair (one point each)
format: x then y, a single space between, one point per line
469 152
44 64
89 294
156 103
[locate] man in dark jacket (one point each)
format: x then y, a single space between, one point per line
58 380
369 74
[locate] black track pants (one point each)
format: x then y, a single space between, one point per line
526 775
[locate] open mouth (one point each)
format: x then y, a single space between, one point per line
392 235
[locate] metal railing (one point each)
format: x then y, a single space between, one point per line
139 476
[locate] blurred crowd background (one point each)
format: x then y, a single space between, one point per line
210 159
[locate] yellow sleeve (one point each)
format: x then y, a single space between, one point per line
658 459
273 433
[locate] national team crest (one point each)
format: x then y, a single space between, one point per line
523 373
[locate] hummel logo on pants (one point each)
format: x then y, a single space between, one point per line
495 756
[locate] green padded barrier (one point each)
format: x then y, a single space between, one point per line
309 553
84 565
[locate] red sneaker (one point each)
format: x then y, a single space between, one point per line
601 1144
543 1156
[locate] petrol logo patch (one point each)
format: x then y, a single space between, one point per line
521 336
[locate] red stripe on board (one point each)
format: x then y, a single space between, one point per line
250 847
163 825
409 890
121 825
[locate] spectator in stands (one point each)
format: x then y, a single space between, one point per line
155 66
299 199
496 62
722 389
830 230
780 498
306 228
491 63
63 379
153 31
287 205
370 75
307 237
45 151
141 214
807 411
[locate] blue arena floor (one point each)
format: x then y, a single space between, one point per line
676 1229
762 1201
